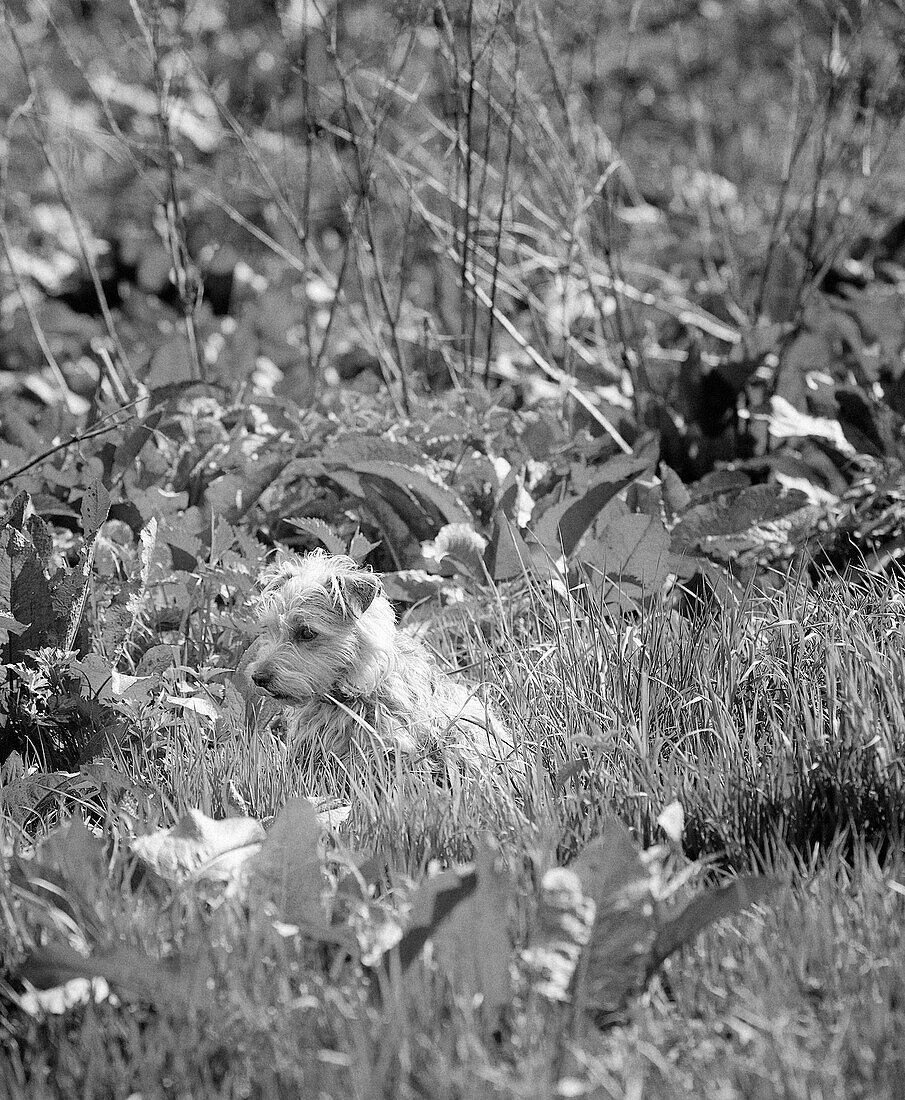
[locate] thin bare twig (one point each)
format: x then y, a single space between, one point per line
51 451
504 188
36 328
41 139
558 376
188 283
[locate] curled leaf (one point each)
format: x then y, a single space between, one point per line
786 422
672 821
191 849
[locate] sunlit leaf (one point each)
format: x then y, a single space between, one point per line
786 422
671 820
562 929
183 852
633 553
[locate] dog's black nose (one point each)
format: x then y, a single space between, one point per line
262 678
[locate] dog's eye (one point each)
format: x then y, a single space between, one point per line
303 633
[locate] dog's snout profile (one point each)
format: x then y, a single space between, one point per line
262 677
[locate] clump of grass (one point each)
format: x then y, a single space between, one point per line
775 722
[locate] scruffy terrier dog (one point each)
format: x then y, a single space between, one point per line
351 683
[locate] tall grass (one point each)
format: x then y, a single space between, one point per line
775 722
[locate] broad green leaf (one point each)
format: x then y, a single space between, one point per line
224 495
68 876
507 554
21 791
444 502
26 547
879 309
718 483
6 574
784 285
561 528
707 908
676 498
753 522
433 902
870 425
473 941
10 625
736 513
611 865
360 547
177 981
107 685
633 552
128 452
69 593
458 547
413 585
171 364
196 704
357 448
399 464
32 601
322 531
156 659
809 353
615 963
78 855
288 871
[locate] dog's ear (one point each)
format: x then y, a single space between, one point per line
275 575
359 590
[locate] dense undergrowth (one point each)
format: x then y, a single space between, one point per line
583 325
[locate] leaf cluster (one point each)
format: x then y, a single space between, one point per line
595 933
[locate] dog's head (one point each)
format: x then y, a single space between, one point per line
327 629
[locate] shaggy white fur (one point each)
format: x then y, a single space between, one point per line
347 677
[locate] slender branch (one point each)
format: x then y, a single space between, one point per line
51 451
42 140
36 328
